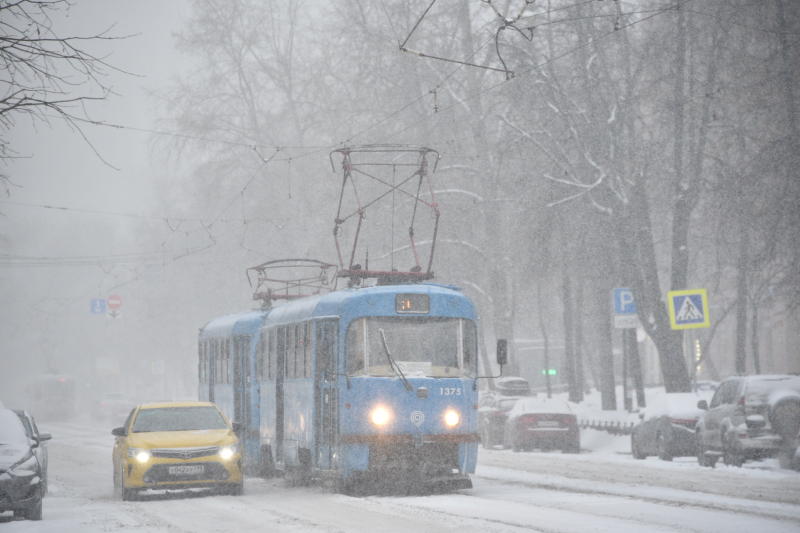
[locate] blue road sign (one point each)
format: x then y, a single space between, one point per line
624 304
688 309
97 306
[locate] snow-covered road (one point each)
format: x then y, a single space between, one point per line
599 490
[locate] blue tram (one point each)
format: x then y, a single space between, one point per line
355 386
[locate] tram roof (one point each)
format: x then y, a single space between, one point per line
349 301
341 303
238 323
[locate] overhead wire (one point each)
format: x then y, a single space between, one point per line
537 67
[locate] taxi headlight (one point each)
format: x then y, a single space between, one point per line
139 454
451 418
380 416
226 452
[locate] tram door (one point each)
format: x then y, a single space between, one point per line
325 392
212 368
280 374
243 401
240 396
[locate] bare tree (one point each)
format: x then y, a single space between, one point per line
45 74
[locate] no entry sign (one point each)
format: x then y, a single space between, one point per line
114 302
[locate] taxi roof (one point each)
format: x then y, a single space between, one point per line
161 405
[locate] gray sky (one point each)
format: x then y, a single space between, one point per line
46 309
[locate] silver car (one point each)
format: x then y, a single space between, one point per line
737 424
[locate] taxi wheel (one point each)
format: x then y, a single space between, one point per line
117 492
236 489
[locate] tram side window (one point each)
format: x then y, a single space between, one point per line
260 350
226 359
470 347
307 350
355 346
280 352
326 347
213 372
218 361
272 354
291 355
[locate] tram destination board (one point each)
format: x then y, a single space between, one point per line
412 303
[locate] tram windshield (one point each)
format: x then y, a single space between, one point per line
433 347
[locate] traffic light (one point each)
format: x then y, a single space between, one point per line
549 372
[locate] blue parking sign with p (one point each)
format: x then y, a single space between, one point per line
624 304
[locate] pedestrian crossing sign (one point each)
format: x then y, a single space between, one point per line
688 309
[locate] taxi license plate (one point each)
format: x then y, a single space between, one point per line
186 469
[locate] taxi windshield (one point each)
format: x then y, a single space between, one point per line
178 419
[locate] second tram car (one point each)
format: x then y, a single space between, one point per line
354 387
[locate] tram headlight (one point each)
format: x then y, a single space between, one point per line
451 418
380 416
139 454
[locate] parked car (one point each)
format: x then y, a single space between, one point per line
667 427
743 418
784 417
21 474
176 445
32 431
543 423
494 406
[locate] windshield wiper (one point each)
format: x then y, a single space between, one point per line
392 363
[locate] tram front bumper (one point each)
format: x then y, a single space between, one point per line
422 456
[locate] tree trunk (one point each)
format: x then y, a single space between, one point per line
578 317
649 304
754 337
605 346
635 366
569 333
543 329
741 302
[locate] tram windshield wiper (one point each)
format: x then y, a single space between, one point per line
392 363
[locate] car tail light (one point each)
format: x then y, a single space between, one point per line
685 422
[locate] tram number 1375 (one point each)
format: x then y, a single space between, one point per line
450 391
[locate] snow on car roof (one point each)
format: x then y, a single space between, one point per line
540 405
775 386
674 404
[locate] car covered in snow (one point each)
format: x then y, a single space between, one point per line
22 475
494 406
176 445
748 418
542 423
32 431
666 427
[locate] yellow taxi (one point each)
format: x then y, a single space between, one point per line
176 445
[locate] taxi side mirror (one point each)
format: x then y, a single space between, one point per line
237 427
702 404
119 432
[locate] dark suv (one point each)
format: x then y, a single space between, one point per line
22 475
744 419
